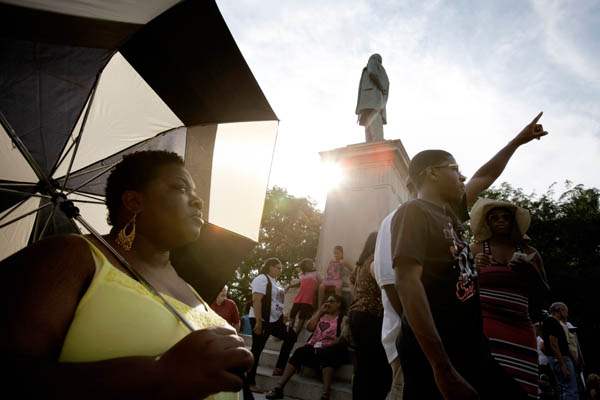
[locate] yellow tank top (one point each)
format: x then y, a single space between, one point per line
118 317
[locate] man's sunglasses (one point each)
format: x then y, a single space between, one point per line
451 166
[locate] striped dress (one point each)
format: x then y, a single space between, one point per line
504 297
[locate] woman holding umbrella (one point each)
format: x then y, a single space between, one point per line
512 277
80 323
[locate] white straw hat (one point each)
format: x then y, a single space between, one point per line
479 225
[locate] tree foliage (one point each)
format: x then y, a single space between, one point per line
565 229
289 231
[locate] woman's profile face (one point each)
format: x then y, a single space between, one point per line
171 211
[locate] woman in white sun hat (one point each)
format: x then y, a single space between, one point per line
511 275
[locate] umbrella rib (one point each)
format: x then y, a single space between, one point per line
17 184
99 198
78 140
45 196
65 154
105 170
162 133
87 171
24 215
23 149
88 201
41 234
15 208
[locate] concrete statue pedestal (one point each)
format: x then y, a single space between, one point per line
375 176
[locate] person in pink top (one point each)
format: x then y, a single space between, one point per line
304 304
333 275
324 350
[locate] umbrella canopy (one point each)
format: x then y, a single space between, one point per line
84 82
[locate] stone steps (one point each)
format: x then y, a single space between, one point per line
302 387
268 359
306 385
273 343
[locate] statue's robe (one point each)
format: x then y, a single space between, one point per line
371 97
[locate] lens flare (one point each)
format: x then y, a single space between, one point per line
332 175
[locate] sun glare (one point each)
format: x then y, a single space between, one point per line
332 175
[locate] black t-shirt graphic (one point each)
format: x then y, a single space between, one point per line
432 236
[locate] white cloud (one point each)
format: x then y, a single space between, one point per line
465 80
563 35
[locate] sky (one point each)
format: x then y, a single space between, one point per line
464 76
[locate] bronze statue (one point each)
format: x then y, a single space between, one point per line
372 98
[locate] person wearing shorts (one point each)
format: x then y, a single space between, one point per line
303 306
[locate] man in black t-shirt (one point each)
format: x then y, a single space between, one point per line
442 348
556 347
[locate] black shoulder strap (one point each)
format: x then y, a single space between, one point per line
266 301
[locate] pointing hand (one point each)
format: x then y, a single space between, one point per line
533 130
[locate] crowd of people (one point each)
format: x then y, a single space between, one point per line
433 316
430 315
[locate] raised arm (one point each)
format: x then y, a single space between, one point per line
487 174
418 314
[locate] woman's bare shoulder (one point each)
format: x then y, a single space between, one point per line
55 253
43 285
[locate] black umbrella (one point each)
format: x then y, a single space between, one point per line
83 84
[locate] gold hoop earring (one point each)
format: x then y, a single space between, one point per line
124 239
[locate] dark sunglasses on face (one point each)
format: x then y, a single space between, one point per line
451 166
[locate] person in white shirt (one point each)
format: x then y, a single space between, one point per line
392 307
266 316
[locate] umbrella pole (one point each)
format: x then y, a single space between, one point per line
73 212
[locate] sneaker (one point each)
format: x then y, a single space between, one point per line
276 393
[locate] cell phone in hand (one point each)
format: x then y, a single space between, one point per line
522 257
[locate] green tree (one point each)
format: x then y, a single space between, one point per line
565 229
289 231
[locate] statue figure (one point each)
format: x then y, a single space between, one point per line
372 98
